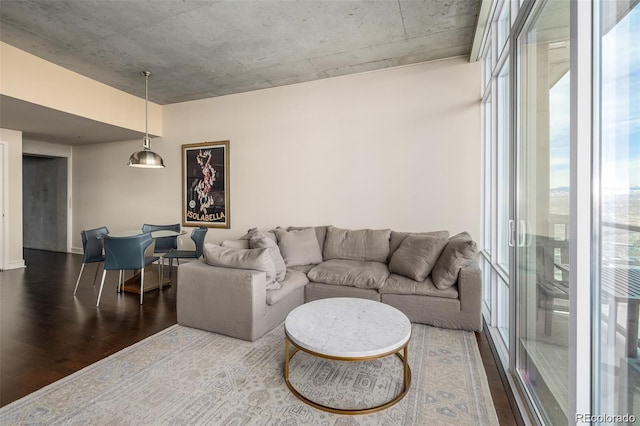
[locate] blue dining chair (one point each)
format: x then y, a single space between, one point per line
164 244
122 253
197 235
92 250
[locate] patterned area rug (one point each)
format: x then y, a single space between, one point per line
187 376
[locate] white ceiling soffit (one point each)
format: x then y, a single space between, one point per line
201 49
45 124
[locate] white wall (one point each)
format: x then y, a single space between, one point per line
397 148
12 243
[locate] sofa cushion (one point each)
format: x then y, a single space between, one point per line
302 268
293 281
397 238
359 244
321 233
416 256
260 240
350 273
256 259
399 284
459 252
299 247
269 234
243 244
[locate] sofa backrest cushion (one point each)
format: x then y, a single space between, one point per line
416 256
459 252
398 237
256 259
299 247
365 245
321 233
260 240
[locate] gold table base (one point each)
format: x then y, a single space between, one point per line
406 373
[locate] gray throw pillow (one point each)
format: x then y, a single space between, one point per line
260 240
269 234
359 244
256 259
299 247
459 252
398 237
321 233
243 244
416 256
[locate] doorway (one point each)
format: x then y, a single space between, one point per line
44 199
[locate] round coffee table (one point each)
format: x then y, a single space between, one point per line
348 329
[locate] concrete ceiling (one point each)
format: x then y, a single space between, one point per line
201 48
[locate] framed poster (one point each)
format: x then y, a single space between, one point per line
205 184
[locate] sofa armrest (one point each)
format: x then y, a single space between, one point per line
222 300
470 293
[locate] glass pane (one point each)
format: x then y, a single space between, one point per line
618 279
487 66
486 282
502 97
486 180
542 256
503 311
503 25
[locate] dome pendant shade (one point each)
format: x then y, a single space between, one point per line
146 158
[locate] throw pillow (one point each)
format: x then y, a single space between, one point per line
416 256
256 259
459 252
259 240
269 234
243 244
321 233
299 247
398 237
359 244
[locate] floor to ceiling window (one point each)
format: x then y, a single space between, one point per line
542 206
545 295
617 160
496 181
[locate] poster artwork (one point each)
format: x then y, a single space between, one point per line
205 184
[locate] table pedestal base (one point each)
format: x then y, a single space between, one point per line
151 281
406 379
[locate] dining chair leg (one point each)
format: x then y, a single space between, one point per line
104 274
78 282
141 285
120 281
95 277
170 268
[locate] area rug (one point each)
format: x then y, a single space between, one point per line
184 376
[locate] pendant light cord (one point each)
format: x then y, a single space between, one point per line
146 109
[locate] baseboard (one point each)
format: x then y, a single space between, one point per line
519 407
15 264
76 250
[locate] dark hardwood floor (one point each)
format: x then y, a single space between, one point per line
46 333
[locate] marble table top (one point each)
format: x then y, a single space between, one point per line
348 327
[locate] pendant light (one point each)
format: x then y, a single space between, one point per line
146 158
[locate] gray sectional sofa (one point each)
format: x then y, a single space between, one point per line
244 288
